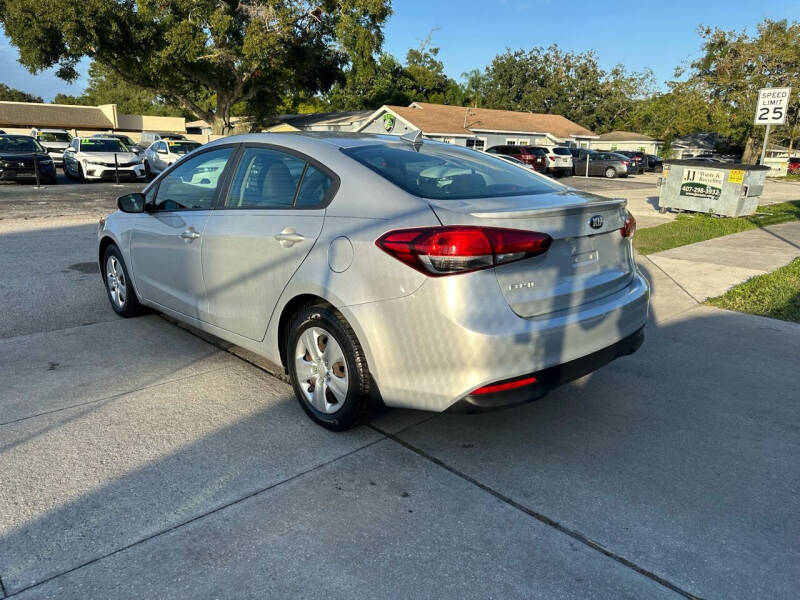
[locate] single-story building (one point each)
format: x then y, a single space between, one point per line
323 121
478 128
21 117
627 140
693 144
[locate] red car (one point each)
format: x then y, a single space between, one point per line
530 155
794 166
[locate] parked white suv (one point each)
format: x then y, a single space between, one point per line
559 160
54 141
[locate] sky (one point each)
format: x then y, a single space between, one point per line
639 34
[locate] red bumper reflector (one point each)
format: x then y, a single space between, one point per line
502 387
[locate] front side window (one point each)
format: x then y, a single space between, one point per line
193 184
443 172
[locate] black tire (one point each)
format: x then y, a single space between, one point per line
81 176
67 174
610 173
130 307
358 401
147 172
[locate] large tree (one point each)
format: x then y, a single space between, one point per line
734 65
572 84
205 56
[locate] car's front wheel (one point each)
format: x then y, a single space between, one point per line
118 284
327 368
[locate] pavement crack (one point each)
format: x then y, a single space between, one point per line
208 513
575 535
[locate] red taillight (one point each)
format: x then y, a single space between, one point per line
455 249
553 158
629 228
504 387
626 162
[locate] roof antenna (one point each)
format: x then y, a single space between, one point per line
414 138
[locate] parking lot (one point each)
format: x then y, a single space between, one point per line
141 461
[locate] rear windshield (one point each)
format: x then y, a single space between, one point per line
53 136
448 172
101 145
562 151
21 143
182 147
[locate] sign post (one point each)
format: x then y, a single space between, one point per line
773 104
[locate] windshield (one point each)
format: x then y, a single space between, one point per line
20 144
562 151
101 145
182 147
53 136
126 140
448 172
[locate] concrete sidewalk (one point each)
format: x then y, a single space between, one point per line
711 268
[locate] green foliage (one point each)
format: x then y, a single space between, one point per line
108 87
387 81
567 83
9 94
203 56
775 295
692 228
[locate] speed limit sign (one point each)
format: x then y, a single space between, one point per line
773 103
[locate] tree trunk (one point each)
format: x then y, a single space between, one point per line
751 152
221 122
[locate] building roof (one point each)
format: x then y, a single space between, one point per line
30 114
325 118
441 118
625 136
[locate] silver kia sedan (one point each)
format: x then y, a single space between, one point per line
382 270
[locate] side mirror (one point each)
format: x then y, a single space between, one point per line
131 203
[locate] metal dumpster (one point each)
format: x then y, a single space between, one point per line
720 188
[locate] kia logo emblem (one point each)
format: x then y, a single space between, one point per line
596 222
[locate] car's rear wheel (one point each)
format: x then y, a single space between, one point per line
611 172
118 284
147 172
327 368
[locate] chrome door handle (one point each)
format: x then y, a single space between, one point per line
288 237
190 234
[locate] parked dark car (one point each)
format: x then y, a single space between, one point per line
17 156
601 164
638 160
530 155
654 163
794 166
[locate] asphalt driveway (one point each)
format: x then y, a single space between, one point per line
138 460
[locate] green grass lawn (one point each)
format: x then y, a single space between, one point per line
775 295
690 228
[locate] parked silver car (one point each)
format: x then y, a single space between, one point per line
161 154
380 268
54 142
601 164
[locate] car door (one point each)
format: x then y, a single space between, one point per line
165 247
159 155
260 234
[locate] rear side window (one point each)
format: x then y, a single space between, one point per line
313 188
445 171
265 179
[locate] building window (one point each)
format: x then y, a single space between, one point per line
524 142
613 147
477 144
511 141
448 140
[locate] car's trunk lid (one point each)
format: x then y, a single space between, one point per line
587 260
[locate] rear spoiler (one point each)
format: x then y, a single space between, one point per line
577 208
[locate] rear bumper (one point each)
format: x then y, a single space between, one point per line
551 378
431 349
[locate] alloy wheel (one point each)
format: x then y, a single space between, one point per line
321 370
117 286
